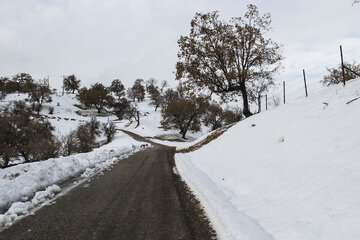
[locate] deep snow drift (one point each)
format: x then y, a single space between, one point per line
289 173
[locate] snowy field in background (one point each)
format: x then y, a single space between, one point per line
65 111
289 173
150 124
25 186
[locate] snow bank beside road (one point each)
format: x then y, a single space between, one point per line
19 209
20 182
289 173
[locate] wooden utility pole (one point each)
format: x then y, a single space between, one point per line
306 91
342 64
284 93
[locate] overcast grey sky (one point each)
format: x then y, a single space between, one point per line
103 40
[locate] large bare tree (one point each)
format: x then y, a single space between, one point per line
229 58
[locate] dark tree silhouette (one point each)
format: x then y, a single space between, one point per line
138 90
97 96
25 136
71 83
228 58
22 82
183 114
117 88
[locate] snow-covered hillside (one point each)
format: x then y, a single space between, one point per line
65 117
289 173
150 124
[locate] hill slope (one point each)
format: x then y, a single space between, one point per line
289 173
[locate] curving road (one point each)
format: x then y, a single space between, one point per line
137 199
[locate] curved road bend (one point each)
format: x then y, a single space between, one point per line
137 199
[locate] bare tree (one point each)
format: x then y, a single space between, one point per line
132 114
39 93
163 85
156 98
228 58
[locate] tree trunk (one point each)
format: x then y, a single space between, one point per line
246 109
187 126
39 109
137 119
183 133
259 103
25 156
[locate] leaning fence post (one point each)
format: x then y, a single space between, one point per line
284 92
306 91
342 64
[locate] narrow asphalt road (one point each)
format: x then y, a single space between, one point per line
137 199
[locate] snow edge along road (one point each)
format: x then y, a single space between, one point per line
229 223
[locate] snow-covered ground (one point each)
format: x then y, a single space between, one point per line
26 186
150 124
289 173
66 119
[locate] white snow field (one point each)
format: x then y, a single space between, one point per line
26 186
289 173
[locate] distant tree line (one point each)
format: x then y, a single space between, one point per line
180 108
